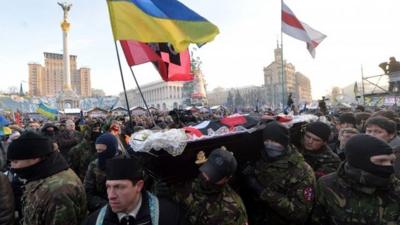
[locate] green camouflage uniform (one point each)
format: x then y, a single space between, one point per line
55 200
342 200
218 206
289 190
80 156
323 161
95 186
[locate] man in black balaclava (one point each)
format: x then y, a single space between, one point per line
53 193
95 179
363 190
278 181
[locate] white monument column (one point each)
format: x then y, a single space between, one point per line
66 98
65 28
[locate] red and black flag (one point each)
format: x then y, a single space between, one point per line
172 66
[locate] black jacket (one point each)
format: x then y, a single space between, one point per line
170 214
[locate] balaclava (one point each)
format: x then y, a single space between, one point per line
275 132
359 150
112 145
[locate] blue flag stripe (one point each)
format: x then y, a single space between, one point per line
166 9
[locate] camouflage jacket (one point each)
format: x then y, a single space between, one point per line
323 161
80 156
95 186
222 207
341 200
6 201
289 186
55 200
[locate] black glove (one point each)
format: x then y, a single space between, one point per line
250 180
253 185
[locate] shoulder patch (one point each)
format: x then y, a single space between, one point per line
308 194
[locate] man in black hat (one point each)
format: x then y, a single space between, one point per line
362 190
53 193
315 150
281 182
129 203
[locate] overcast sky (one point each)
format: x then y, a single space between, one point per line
359 33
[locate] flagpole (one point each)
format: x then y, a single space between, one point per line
141 94
123 84
282 66
362 84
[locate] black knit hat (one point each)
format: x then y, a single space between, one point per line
320 129
29 145
382 122
347 118
361 147
276 132
124 169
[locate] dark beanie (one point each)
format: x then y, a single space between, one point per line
124 169
382 122
347 118
276 132
29 145
110 141
361 147
320 129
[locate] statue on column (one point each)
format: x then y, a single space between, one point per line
66 7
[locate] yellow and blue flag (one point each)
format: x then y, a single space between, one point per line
152 21
47 111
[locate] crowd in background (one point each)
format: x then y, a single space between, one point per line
341 169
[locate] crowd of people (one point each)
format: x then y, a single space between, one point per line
340 169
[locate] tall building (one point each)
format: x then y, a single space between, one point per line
49 80
303 93
161 95
85 82
293 82
35 79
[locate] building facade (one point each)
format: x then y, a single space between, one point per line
278 89
303 88
161 95
48 80
252 96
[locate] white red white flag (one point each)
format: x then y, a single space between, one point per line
299 30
